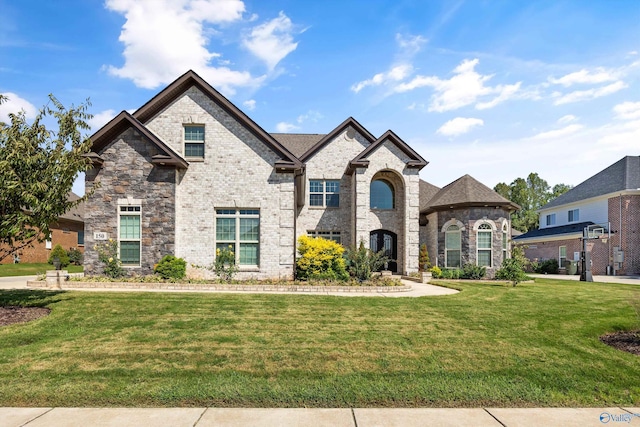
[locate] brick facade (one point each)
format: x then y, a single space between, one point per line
624 217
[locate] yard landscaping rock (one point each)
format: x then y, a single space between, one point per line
11 314
625 341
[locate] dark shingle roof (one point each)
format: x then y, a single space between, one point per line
467 191
298 143
427 191
622 175
74 214
555 231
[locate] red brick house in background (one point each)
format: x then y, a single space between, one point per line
610 201
67 232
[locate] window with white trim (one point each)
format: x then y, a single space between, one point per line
574 215
239 231
324 193
194 141
562 255
329 235
505 242
484 247
129 231
551 219
452 245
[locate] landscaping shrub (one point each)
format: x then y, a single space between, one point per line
512 271
436 272
450 273
59 252
108 255
320 259
548 266
75 256
362 262
171 267
225 263
423 259
473 272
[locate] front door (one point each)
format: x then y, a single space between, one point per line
388 241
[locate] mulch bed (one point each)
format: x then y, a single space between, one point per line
625 341
10 315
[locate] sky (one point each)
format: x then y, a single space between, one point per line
493 89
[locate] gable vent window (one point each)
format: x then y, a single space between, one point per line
194 141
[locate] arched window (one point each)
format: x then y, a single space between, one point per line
382 195
452 244
484 245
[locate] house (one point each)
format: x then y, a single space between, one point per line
188 173
608 203
465 222
67 232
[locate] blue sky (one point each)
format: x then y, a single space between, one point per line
494 89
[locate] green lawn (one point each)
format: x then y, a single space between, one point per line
33 269
490 345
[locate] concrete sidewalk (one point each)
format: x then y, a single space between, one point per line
628 280
282 417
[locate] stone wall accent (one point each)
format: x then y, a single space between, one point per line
237 172
127 173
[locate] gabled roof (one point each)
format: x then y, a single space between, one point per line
466 191
339 129
622 175
427 191
569 229
76 213
416 161
298 143
190 79
122 122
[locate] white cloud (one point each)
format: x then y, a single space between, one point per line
310 115
628 110
459 126
585 95
567 119
464 88
395 74
250 104
15 104
284 127
101 119
559 133
272 41
600 75
410 45
164 38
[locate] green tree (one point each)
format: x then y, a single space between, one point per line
37 169
531 194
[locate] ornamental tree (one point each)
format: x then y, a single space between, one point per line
37 169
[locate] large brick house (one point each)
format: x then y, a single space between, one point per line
608 202
189 172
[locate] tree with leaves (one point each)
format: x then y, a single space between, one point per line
37 169
531 194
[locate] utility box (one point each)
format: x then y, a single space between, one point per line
618 255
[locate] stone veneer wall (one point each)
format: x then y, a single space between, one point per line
330 163
127 173
429 236
237 172
469 216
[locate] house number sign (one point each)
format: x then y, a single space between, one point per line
100 235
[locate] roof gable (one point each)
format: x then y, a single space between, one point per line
416 161
190 79
124 121
326 139
298 143
622 175
466 191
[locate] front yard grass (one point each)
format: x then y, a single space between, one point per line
33 269
490 345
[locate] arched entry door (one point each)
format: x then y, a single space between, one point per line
387 240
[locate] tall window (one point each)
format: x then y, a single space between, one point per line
484 245
329 235
239 230
324 193
452 244
81 238
562 256
194 141
551 219
574 215
505 242
381 195
129 235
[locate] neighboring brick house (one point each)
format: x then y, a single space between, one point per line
608 201
465 222
67 232
188 172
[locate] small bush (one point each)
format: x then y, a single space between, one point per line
225 264
59 252
436 272
320 259
362 262
108 255
451 273
473 272
423 259
171 267
75 256
512 271
549 266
